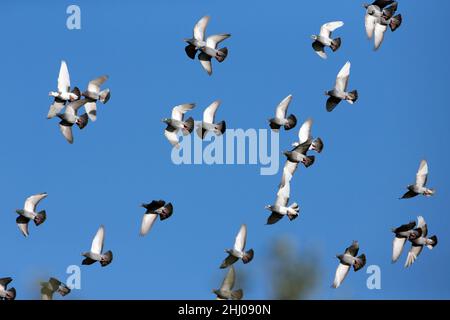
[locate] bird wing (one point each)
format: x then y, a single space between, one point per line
94 85
91 110
422 174
319 49
241 238
228 281
54 283
147 223
73 106
304 134
288 171
180 110
22 223
369 22
46 293
63 78
210 112
342 77
155 204
382 3
283 195
66 130
379 34
341 272
397 248
172 137
32 202
328 28
205 61
274 218
353 249
214 40
200 28
97 243
412 255
281 109
422 225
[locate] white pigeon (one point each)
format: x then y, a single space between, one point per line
377 19
63 94
176 123
346 261
94 94
208 48
226 291
280 119
51 286
29 213
419 187
153 210
70 117
339 92
281 208
96 252
402 234
419 240
238 251
208 121
324 38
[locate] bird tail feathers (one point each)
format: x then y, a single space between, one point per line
222 54
10 294
108 257
291 122
335 44
104 96
352 96
360 262
40 218
395 22
431 244
248 256
221 127
237 294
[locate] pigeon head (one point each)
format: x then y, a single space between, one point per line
328 93
20 211
268 207
53 94
314 37
166 120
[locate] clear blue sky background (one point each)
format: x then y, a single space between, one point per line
372 149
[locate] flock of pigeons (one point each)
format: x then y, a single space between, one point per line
379 15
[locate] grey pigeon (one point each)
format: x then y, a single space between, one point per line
420 186
305 143
208 123
70 117
51 286
153 210
323 39
418 240
339 92
176 123
377 19
29 213
346 261
96 252
280 119
63 94
281 208
94 94
237 252
5 293
226 292
207 47
402 234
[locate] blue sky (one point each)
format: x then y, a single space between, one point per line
372 149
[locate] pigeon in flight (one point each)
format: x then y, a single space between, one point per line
304 144
346 261
418 240
402 233
208 121
420 186
238 251
208 48
94 94
324 38
70 117
280 116
377 19
63 94
177 123
153 210
340 89
226 291
281 208
5 293
29 213
51 286
96 251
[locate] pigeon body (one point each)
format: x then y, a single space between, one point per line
377 19
418 240
207 47
323 39
280 119
70 117
28 213
346 261
419 187
176 123
93 94
339 92
153 210
208 121
5 293
49 288
226 292
281 208
96 252
63 94
402 234
237 252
